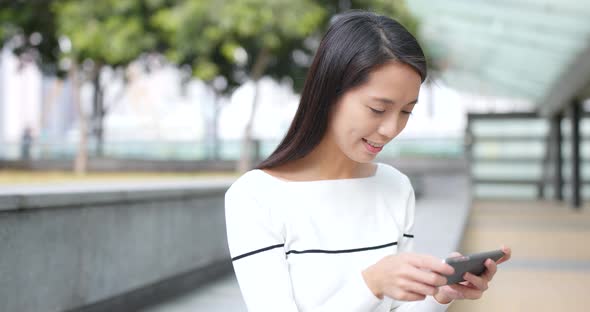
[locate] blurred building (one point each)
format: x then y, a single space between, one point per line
20 95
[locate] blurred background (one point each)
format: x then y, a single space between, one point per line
123 122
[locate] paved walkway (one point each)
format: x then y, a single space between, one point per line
440 217
550 266
222 295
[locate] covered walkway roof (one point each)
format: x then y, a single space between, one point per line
538 50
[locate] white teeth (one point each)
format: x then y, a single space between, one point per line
373 144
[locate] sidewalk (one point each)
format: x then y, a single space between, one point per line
550 265
440 217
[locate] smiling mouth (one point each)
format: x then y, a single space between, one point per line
373 144
372 149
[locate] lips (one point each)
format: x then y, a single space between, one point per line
374 144
370 148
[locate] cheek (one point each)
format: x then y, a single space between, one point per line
358 127
346 132
350 123
347 123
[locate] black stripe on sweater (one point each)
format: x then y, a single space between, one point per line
317 250
256 251
340 251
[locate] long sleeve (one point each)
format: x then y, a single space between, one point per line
406 241
407 245
256 243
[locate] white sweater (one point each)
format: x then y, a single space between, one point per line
302 245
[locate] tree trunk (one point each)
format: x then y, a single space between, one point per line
245 161
98 112
246 153
81 160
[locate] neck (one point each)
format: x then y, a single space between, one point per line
326 162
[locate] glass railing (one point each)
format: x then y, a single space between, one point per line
225 150
509 156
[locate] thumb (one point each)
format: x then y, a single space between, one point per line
455 254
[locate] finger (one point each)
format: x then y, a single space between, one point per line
469 285
425 277
400 294
455 254
455 294
419 288
431 263
507 254
479 282
467 292
410 296
491 269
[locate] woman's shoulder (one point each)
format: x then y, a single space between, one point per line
391 178
245 180
390 173
249 183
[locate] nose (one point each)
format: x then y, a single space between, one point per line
388 128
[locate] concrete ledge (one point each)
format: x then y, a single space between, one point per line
87 195
121 164
103 247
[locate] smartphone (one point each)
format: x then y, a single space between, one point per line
473 264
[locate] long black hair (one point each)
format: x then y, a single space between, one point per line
356 43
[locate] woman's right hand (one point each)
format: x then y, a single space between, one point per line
407 276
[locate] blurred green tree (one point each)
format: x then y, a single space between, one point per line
240 40
243 40
28 29
106 32
61 35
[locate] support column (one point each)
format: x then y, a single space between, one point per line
558 158
575 146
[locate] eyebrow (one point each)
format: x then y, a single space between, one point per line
389 101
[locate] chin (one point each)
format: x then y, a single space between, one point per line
364 159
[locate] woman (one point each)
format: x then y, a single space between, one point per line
318 226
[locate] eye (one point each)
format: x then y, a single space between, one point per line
406 113
377 111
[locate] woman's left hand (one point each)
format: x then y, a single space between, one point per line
473 286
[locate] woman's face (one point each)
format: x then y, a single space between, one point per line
375 112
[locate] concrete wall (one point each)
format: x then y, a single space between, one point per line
107 249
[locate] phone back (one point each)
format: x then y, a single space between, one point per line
473 263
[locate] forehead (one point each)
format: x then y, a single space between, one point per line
394 79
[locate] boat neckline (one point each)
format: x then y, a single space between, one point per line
322 181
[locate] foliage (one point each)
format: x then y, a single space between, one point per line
215 38
30 27
110 32
224 38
